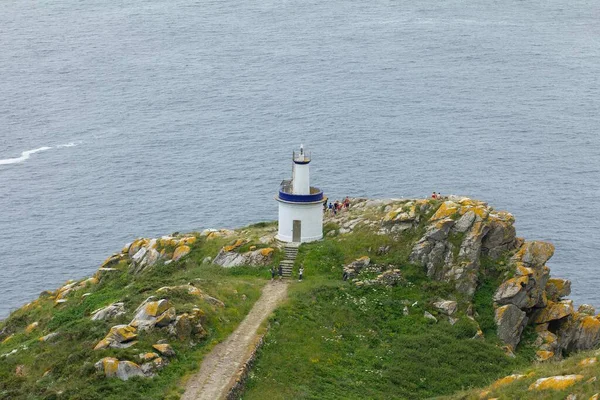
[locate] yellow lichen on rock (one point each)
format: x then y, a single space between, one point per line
148 356
267 252
522 270
588 361
505 381
590 325
543 355
189 240
110 365
535 253
31 327
8 339
180 252
155 308
555 382
102 344
447 209
390 216
164 349
595 397
124 332
554 311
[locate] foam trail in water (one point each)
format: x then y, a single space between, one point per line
24 156
27 154
72 144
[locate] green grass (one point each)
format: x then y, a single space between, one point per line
583 389
70 358
333 340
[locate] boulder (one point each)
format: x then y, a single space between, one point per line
534 254
439 231
149 312
147 356
164 349
543 355
356 266
465 222
31 327
180 252
49 337
190 289
553 311
579 332
112 311
501 236
510 321
587 310
546 340
128 369
182 328
152 366
527 288
391 277
447 307
429 316
555 382
166 318
514 291
557 288
111 367
108 365
230 259
119 337
506 381
586 362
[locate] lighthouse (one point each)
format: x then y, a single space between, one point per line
300 205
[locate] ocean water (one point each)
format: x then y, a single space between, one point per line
141 118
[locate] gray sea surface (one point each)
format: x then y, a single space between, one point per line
151 117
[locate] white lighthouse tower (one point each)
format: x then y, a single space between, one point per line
300 205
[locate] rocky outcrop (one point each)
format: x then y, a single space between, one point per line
511 321
460 233
194 291
228 257
145 253
557 288
447 307
356 267
112 311
456 237
559 327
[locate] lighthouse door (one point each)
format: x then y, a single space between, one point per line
297 231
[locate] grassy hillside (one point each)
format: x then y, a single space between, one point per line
63 368
335 340
363 338
584 366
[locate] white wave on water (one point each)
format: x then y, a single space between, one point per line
27 154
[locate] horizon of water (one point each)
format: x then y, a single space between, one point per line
122 120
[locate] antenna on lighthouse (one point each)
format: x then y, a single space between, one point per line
301 149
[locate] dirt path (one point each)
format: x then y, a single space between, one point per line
220 367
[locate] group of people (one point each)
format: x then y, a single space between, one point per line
337 206
436 196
